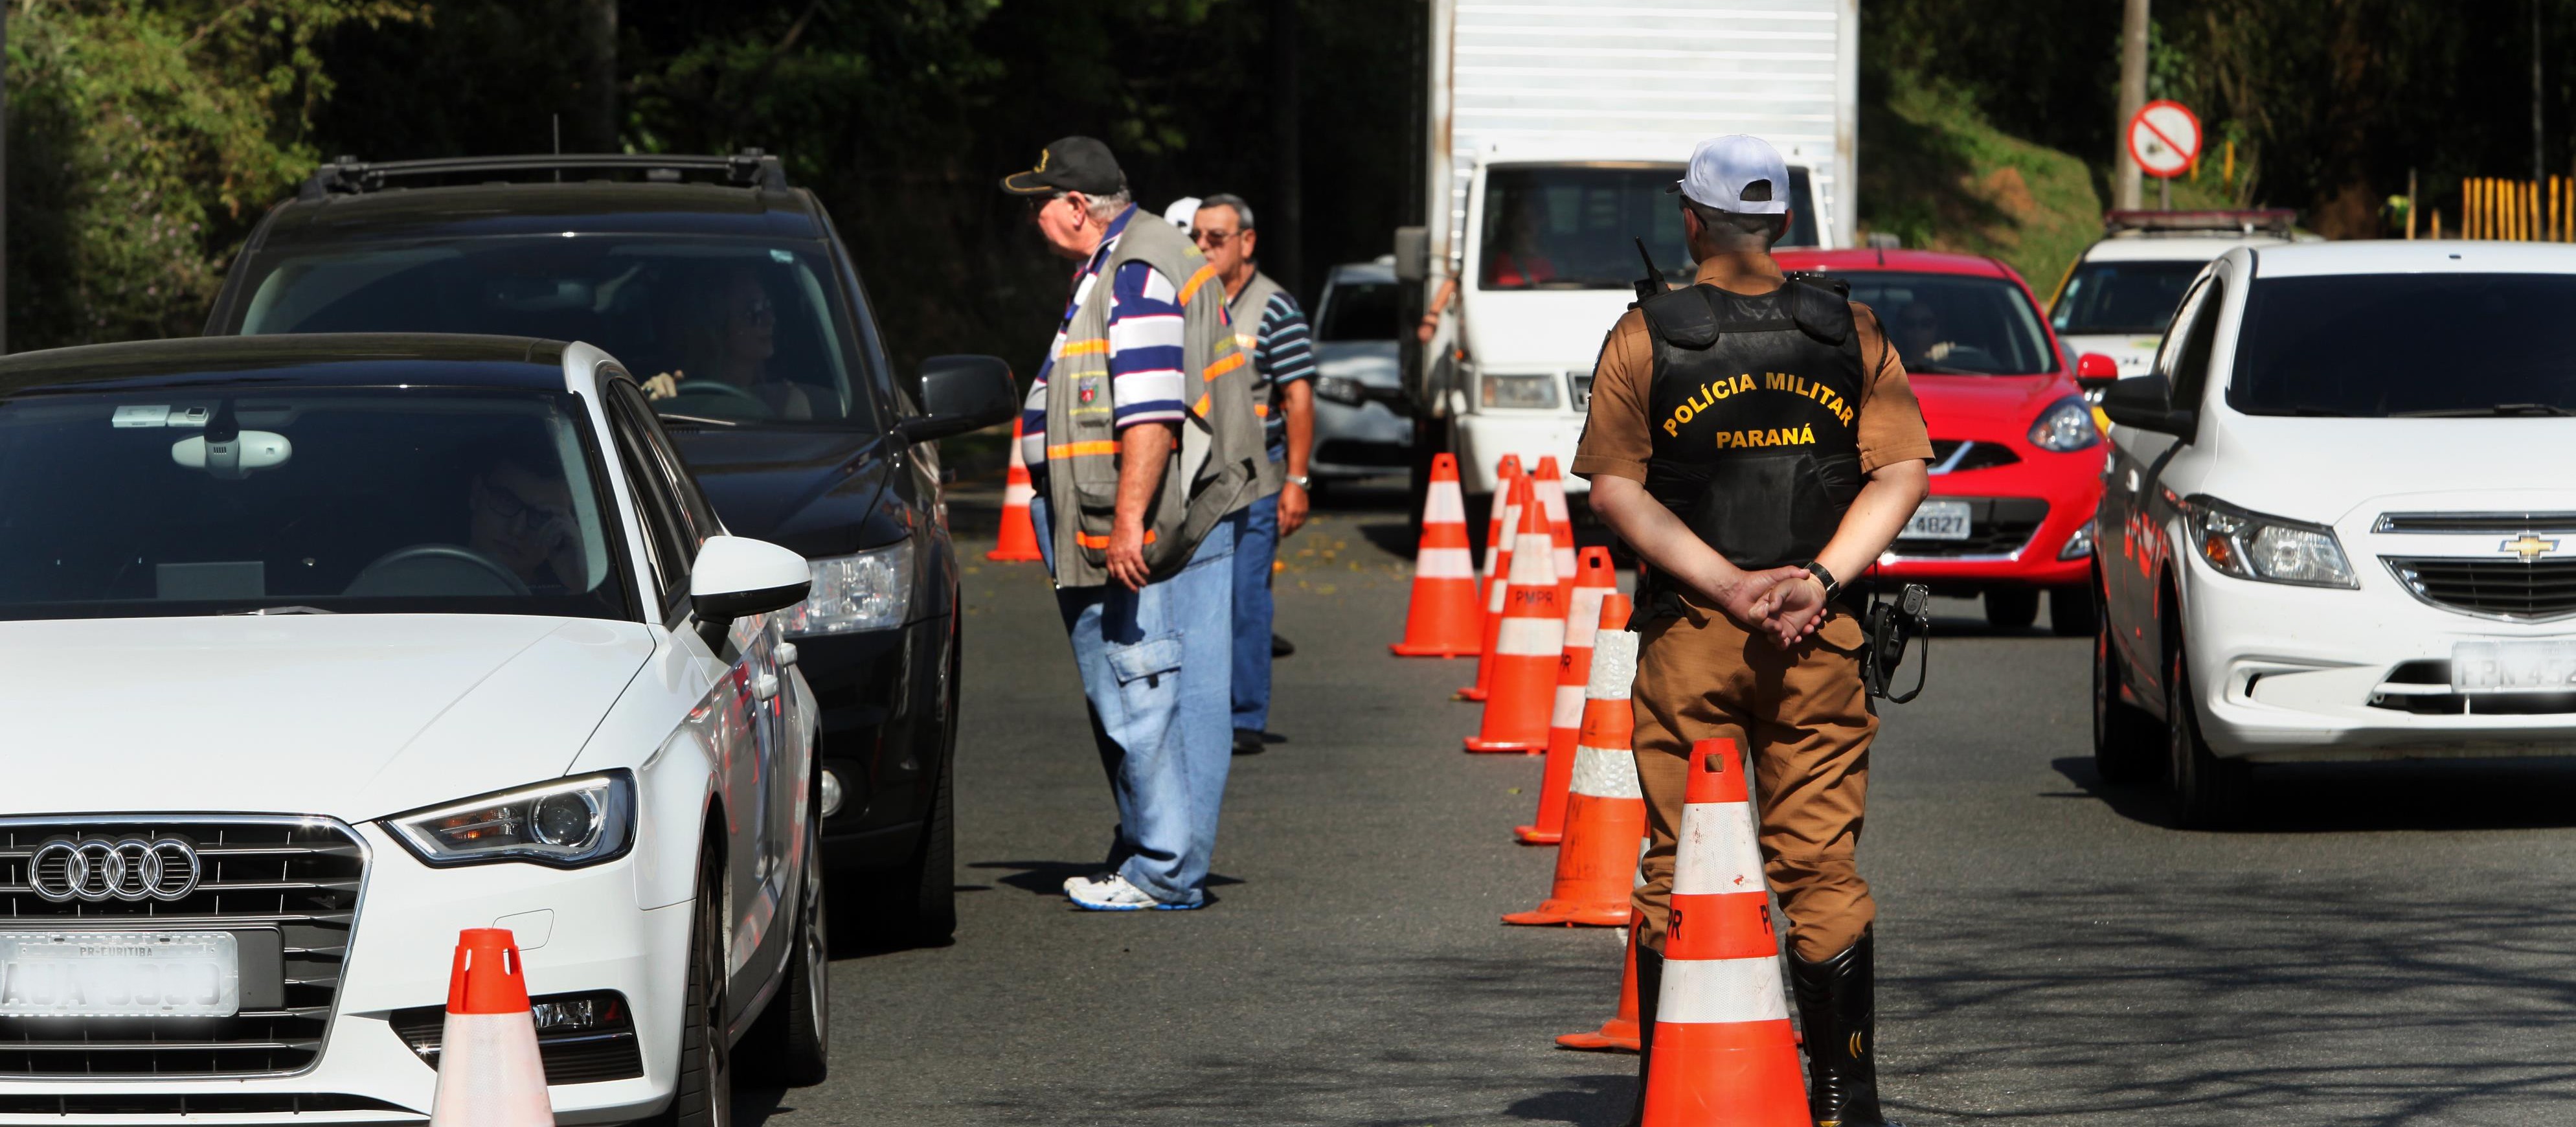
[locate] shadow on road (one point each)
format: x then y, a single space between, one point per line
2487 794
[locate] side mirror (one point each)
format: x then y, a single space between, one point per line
2094 371
1412 254
2147 404
737 577
962 393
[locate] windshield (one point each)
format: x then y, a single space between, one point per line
1358 311
2123 297
1949 324
1573 227
716 330
2383 345
378 500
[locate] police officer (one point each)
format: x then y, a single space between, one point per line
1755 440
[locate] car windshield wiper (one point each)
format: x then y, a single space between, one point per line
297 609
696 420
1943 370
2495 409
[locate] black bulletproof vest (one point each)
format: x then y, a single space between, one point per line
1753 407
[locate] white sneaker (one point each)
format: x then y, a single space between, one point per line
1114 894
1104 875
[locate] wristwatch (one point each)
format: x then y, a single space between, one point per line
1300 481
1833 586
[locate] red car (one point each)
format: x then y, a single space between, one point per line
2016 456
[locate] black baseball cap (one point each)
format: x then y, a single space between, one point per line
1071 164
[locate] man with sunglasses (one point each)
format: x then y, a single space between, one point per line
1271 328
1144 452
523 519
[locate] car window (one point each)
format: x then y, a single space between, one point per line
2123 297
746 333
2191 363
2387 345
664 541
2168 349
1954 324
697 515
1362 311
347 500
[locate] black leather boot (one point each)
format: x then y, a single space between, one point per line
1650 991
1837 1015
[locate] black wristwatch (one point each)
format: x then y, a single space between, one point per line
1833 586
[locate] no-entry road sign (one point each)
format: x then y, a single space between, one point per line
2163 138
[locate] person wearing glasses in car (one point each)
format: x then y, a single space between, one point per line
1270 327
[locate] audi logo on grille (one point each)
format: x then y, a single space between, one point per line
98 869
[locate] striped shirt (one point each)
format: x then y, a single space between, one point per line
1284 354
1145 341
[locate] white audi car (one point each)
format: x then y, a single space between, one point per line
317 650
2340 518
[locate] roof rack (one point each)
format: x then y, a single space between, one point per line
2274 220
750 168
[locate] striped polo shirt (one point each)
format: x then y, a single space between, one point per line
1282 354
1145 341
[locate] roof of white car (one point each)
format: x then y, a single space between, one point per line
2399 256
2151 246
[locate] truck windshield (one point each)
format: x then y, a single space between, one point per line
1952 324
2375 346
1573 227
384 500
2123 297
740 333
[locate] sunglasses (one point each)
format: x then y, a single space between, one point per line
1039 204
1212 238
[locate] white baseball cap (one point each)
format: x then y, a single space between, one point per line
1182 212
1738 173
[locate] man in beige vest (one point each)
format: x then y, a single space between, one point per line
1144 450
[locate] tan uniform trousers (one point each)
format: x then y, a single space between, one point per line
1804 720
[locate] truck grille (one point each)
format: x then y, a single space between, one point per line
287 888
2498 588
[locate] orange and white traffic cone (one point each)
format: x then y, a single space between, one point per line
1498 557
1605 808
1019 541
1619 1034
1722 1050
1597 603
1548 484
1526 645
489 1074
1442 618
1499 523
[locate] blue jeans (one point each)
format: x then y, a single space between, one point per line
1154 670
1252 609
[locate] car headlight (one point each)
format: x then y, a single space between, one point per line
869 591
2078 545
2066 426
567 824
1341 389
1519 391
2253 546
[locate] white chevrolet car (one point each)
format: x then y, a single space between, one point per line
2340 518
317 650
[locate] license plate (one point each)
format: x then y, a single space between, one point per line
2513 667
119 974
1936 519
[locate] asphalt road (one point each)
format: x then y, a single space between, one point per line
2389 945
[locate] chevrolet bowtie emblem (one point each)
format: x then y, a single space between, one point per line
2530 547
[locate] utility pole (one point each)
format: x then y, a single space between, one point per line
2133 94
1287 232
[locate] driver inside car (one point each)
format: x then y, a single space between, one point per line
524 521
729 329
1918 336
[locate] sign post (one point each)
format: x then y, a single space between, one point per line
2164 138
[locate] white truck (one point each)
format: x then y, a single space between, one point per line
1552 130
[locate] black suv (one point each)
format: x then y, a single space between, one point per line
727 292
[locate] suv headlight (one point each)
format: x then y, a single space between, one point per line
1341 389
566 824
2066 426
869 591
2253 546
1537 391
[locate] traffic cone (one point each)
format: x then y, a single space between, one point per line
1605 809
1019 534
1498 529
489 1074
1526 644
1549 485
1619 1034
1597 603
1442 618
1498 548
1723 1052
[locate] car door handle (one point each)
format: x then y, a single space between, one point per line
765 686
786 653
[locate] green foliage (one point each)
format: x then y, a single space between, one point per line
144 141
1936 173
